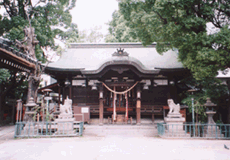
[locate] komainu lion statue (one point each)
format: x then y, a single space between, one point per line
67 107
173 108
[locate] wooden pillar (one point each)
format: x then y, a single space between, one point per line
169 95
114 105
70 89
101 105
59 96
138 106
173 94
153 118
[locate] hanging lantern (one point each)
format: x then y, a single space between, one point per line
101 94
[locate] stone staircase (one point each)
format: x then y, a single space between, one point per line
148 130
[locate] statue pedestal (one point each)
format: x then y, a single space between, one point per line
65 123
174 126
174 122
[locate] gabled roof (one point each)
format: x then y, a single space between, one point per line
92 57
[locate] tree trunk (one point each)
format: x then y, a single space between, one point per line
33 87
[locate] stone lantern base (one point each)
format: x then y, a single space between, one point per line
211 130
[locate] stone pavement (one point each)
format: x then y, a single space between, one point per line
117 146
113 148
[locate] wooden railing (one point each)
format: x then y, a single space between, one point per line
157 110
94 109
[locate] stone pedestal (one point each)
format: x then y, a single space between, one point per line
65 123
174 122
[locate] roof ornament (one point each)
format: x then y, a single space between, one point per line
120 52
224 72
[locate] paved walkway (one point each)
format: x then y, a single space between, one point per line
113 147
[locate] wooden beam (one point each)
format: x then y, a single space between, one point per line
120 84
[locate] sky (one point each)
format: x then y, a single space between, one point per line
90 13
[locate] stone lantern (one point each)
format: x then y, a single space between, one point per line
209 111
211 130
29 113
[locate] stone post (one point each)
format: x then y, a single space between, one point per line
19 110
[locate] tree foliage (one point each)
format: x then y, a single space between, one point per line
50 18
185 25
209 88
119 31
92 35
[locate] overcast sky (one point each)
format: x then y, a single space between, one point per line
90 13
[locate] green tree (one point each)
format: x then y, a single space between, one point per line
119 31
184 24
92 35
211 87
198 29
49 18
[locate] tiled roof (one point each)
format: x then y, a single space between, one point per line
89 57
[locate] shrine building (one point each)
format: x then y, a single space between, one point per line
115 80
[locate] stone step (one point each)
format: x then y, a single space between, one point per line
176 135
143 121
124 130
